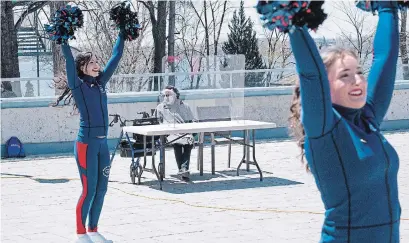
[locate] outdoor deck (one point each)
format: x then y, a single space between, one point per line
39 196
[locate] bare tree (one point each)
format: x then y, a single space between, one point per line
218 11
30 7
189 44
361 37
11 23
9 57
202 16
212 28
9 45
198 37
187 40
278 55
171 39
58 59
158 23
217 8
99 35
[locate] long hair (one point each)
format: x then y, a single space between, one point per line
297 129
61 82
329 56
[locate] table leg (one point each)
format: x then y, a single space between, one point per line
201 138
247 141
244 152
213 152
162 156
198 152
136 168
153 163
254 155
246 155
144 151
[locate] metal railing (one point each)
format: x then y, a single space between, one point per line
123 83
34 23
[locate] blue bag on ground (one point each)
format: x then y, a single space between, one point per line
14 148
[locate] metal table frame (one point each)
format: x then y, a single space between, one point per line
137 169
245 158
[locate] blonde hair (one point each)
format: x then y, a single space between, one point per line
329 56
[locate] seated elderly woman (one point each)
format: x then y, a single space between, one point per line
173 110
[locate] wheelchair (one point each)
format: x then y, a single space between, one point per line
138 150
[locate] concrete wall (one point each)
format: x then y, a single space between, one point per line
45 129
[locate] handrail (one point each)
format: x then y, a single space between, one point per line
38 27
133 75
137 75
37 22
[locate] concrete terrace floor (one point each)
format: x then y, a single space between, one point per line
39 195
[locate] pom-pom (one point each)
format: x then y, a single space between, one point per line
312 17
63 25
287 15
404 5
373 6
125 20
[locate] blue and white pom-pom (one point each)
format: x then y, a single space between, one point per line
373 6
288 15
125 20
63 25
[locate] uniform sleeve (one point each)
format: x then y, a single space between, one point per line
114 60
381 79
72 77
316 107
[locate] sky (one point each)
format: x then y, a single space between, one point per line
329 28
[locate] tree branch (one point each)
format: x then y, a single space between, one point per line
221 23
30 9
20 3
151 8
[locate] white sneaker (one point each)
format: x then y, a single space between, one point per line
184 173
98 238
83 238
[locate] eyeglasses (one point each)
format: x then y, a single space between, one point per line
166 95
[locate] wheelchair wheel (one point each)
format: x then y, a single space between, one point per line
138 172
161 171
133 175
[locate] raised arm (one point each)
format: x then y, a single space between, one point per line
381 79
72 77
317 114
114 60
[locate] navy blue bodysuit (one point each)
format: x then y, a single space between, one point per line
354 166
91 148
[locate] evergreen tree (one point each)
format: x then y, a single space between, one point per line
242 40
29 90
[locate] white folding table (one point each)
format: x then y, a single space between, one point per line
162 130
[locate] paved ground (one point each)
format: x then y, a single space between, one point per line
39 198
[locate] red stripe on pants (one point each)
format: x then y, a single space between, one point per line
80 224
82 154
82 159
